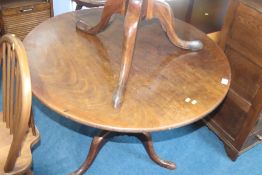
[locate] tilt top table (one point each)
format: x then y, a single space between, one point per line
75 74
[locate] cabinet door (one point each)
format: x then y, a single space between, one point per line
246 75
246 31
230 116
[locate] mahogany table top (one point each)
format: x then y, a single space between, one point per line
75 74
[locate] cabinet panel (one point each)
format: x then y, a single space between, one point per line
240 125
247 30
231 120
246 76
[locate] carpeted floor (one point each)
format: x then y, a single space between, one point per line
195 149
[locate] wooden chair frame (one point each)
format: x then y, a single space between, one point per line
17 98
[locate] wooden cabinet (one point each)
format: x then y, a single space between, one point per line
19 17
238 121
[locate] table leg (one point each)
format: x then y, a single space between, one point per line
132 19
164 13
146 139
99 141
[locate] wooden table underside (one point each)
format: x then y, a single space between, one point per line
133 10
75 74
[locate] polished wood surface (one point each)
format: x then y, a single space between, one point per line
16 137
75 74
133 11
237 121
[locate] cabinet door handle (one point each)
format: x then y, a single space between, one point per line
26 10
259 137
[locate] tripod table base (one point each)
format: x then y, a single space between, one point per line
103 137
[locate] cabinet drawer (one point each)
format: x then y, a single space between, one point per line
246 30
246 75
13 11
21 25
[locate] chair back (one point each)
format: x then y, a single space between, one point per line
17 94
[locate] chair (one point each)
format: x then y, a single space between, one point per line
88 3
17 131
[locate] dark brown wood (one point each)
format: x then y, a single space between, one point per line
164 13
134 11
169 87
237 121
96 145
189 12
19 17
232 7
1 25
51 8
132 17
99 141
146 139
160 70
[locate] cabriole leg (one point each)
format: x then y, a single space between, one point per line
146 139
164 13
97 143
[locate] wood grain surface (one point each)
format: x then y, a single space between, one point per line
75 74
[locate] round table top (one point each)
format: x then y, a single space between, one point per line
75 74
